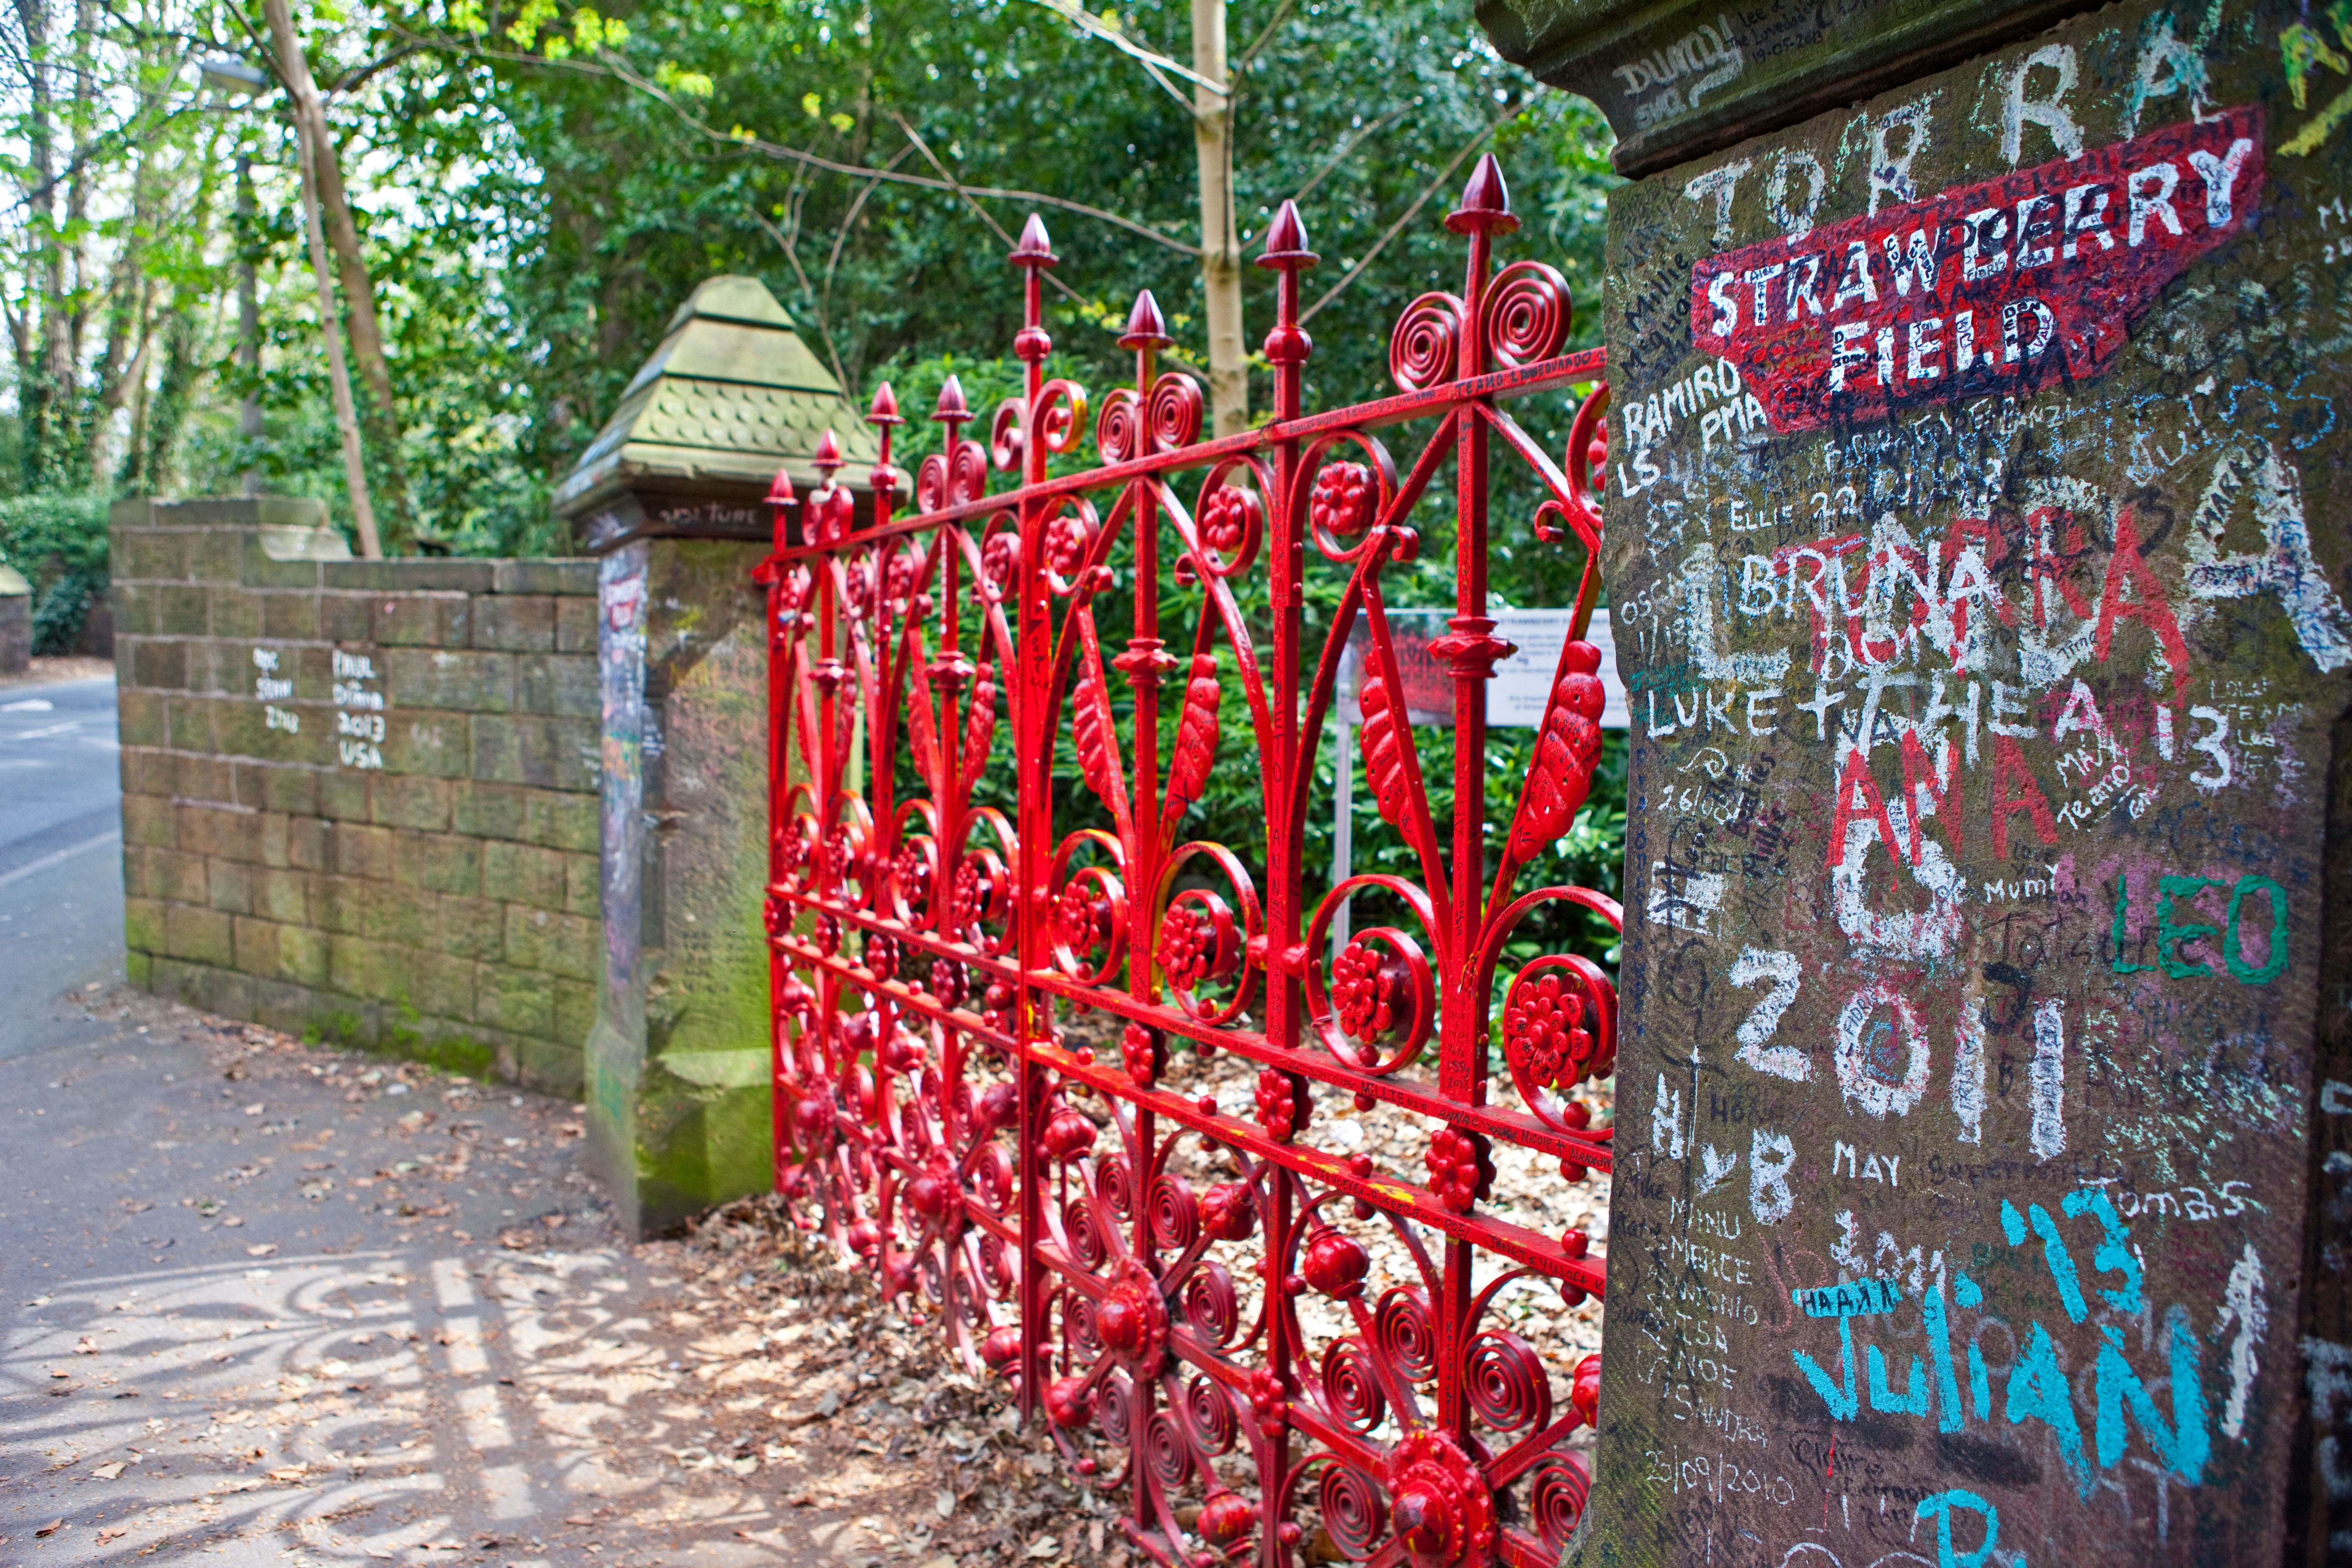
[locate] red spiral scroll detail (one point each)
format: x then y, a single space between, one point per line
1562 1483
992 1179
1352 1385
1210 1410
1085 1241
1401 1327
931 479
1175 1213
1119 427
1566 753
1115 1187
1211 1304
1004 434
1506 1382
968 480
1354 1513
1081 1325
1175 411
1165 1450
1526 313
1425 349
1114 1409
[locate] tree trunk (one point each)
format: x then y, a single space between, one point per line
334 207
1221 256
248 331
80 180
129 315
45 364
155 456
308 117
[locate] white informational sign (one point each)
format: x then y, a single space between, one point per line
1516 697
1522 683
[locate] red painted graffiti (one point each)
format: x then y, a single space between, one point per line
1990 286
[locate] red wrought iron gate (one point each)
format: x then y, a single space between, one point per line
1065 1079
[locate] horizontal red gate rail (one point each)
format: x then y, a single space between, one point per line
1067 1079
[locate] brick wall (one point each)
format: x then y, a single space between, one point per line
358 797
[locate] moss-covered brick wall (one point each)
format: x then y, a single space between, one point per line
360 796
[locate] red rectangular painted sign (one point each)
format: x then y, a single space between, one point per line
1991 287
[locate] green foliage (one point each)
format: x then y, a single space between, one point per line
59 543
540 184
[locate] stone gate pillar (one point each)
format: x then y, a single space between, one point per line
669 495
1979 560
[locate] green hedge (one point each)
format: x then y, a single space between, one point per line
58 542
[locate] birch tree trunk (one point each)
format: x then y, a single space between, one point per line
332 210
44 354
1221 256
310 117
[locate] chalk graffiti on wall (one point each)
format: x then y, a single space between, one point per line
2008 281
1981 604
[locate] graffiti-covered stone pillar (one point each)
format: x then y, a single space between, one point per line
1978 545
670 496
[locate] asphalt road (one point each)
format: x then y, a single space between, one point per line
60 856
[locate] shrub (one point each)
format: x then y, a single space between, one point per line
58 542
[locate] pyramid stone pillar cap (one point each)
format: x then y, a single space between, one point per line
731 395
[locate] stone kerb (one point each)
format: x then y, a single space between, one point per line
359 796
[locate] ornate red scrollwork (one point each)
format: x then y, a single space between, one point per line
1091 1097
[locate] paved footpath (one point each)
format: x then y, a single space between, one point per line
266 1304
260 1303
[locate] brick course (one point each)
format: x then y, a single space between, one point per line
359 796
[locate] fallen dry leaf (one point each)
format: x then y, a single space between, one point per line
111 1471
51 1527
86 1347
261 1249
117 1533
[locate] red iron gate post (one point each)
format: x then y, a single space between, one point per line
932 1080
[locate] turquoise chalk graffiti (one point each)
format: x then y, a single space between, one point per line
2037 1388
